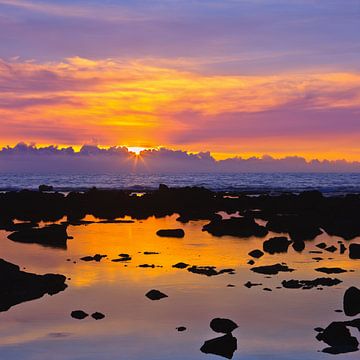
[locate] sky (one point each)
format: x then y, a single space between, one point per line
233 77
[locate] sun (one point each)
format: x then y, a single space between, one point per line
136 149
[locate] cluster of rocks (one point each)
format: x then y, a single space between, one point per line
80 315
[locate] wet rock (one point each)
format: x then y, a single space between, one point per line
309 284
96 257
123 257
249 284
257 254
180 265
267 289
230 285
177 233
97 315
181 328
277 244
317 258
271 269
79 314
354 251
315 252
321 245
151 253
18 286
298 246
224 346
239 227
334 270
342 248
338 336
251 262
351 301
147 266
155 295
52 235
209 270
45 188
331 248
225 326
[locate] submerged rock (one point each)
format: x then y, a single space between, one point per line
338 336
351 301
96 257
224 346
53 235
18 286
334 270
278 244
155 295
180 265
177 233
309 284
271 269
240 227
256 253
209 270
225 326
79 314
354 251
97 315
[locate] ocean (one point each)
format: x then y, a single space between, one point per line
328 183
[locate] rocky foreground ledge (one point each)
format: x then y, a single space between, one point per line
17 286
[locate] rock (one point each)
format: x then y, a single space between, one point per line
79 314
277 244
309 284
251 262
180 265
209 270
224 326
271 269
147 266
155 295
96 257
123 257
240 227
181 328
177 233
256 254
224 346
45 188
354 251
97 315
112 221
342 248
338 336
151 253
298 246
321 245
331 248
351 301
18 286
52 235
249 284
267 289
334 270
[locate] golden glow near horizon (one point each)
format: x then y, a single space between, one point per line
131 102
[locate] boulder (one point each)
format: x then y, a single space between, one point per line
224 346
225 326
256 253
354 251
351 301
278 244
176 233
155 295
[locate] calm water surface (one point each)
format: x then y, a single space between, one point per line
272 325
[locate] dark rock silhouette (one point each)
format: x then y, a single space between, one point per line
181 328
277 244
256 253
96 257
271 269
177 233
97 315
351 301
79 314
151 253
249 284
209 270
180 265
224 346
53 235
123 257
45 188
225 326
155 295
354 251
298 245
309 284
18 286
331 248
240 227
338 336
334 270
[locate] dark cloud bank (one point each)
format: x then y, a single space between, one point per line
30 158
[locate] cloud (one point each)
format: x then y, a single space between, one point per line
91 158
136 102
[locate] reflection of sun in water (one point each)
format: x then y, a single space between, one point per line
136 149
